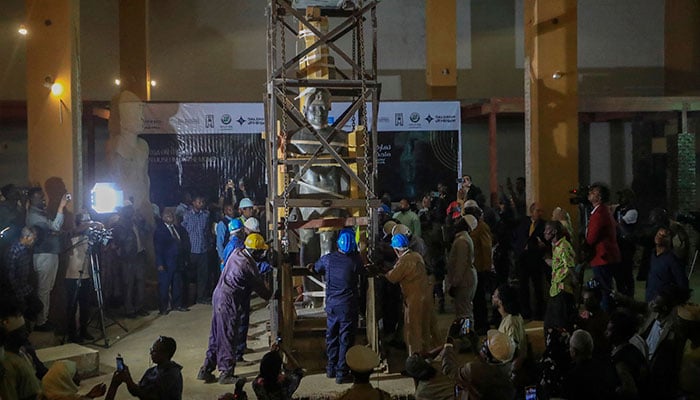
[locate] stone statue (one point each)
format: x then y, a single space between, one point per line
127 153
319 181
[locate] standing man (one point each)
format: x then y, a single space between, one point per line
129 245
407 217
77 280
480 234
601 237
530 248
222 231
665 268
409 273
239 278
167 240
196 222
341 269
461 276
46 250
471 190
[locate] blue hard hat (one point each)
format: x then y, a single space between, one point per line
399 241
235 224
346 242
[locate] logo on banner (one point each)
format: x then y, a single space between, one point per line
398 119
429 118
415 117
241 120
209 121
226 119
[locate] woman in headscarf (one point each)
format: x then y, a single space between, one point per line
61 383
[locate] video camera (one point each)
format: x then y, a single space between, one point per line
579 195
98 235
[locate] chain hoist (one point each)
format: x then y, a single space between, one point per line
285 193
366 141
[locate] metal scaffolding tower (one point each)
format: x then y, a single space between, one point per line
317 31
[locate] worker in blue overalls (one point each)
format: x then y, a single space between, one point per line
342 269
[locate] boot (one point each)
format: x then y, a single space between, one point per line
206 376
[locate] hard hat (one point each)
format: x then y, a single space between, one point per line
361 359
500 345
252 224
389 226
255 241
399 241
346 242
471 203
235 225
245 203
402 229
471 221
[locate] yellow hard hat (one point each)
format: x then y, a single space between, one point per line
255 241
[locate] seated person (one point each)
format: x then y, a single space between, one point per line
17 375
62 381
585 369
272 383
362 361
488 377
160 382
435 379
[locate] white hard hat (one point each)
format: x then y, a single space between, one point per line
252 224
361 359
471 221
245 203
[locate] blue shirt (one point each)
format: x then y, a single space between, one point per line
233 243
341 272
664 269
221 233
197 226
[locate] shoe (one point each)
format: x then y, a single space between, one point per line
243 362
86 336
330 373
227 378
181 309
347 378
142 312
164 312
45 327
206 376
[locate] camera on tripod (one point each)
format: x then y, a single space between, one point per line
98 235
579 195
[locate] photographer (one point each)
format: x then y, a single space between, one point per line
163 381
77 280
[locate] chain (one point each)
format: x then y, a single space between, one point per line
366 144
354 53
285 193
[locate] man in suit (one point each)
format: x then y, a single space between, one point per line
601 238
168 240
530 247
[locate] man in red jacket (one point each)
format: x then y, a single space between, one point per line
601 237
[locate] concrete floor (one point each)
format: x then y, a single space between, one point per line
191 331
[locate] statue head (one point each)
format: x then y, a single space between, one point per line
317 106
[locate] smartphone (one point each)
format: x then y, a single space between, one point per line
531 393
120 363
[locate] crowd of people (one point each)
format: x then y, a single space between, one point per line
533 269
428 256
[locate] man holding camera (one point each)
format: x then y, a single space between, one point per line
46 249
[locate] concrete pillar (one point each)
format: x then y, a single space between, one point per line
134 70
682 47
551 102
441 48
54 117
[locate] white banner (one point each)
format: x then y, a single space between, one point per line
237 118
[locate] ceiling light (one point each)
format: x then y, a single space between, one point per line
22 30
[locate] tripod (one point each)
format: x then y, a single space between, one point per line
95 240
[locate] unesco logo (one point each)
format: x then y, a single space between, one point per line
415 117
226 119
